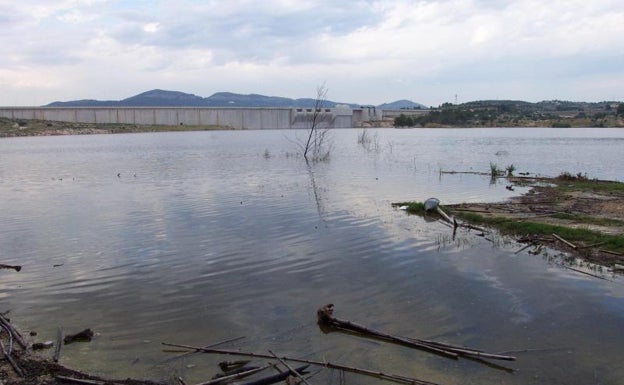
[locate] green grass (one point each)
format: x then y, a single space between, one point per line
574 235
592 185
588 219
412 207
579 182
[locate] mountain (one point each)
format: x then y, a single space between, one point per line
402 105
163 98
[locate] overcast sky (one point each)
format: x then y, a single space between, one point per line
429 51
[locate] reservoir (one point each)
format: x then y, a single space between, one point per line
200 237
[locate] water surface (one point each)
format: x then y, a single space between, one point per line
197 237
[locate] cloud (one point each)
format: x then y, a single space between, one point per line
366 51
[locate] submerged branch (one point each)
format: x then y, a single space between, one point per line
326 364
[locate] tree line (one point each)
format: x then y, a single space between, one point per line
493 113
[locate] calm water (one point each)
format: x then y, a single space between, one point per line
213 235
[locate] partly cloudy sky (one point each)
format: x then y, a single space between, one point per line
428 51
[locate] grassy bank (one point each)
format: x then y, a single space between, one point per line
578 236
588 213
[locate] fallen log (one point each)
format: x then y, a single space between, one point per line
16 335
14 364
14 267
82 336
572 245
326 364
524 248
325 316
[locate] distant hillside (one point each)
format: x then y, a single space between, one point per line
402 105
162 98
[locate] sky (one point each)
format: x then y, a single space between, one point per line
366 52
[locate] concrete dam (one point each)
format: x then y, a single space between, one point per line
233 117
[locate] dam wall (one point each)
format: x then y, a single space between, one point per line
234 117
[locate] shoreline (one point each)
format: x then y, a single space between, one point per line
22 128
570 214
11 128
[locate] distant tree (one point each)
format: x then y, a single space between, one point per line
620 109
404 121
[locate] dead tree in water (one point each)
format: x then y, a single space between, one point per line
315 147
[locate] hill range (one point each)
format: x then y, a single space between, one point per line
162 98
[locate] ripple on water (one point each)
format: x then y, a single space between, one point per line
212 240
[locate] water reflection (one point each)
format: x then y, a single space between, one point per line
213 240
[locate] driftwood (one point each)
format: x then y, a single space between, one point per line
59 344
592 245
572 245
473 227
12 361
82 336
325 316
186 352
610 252
326 364
14 267
14 333
277 377
81 380
290 368
524 248
235 376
